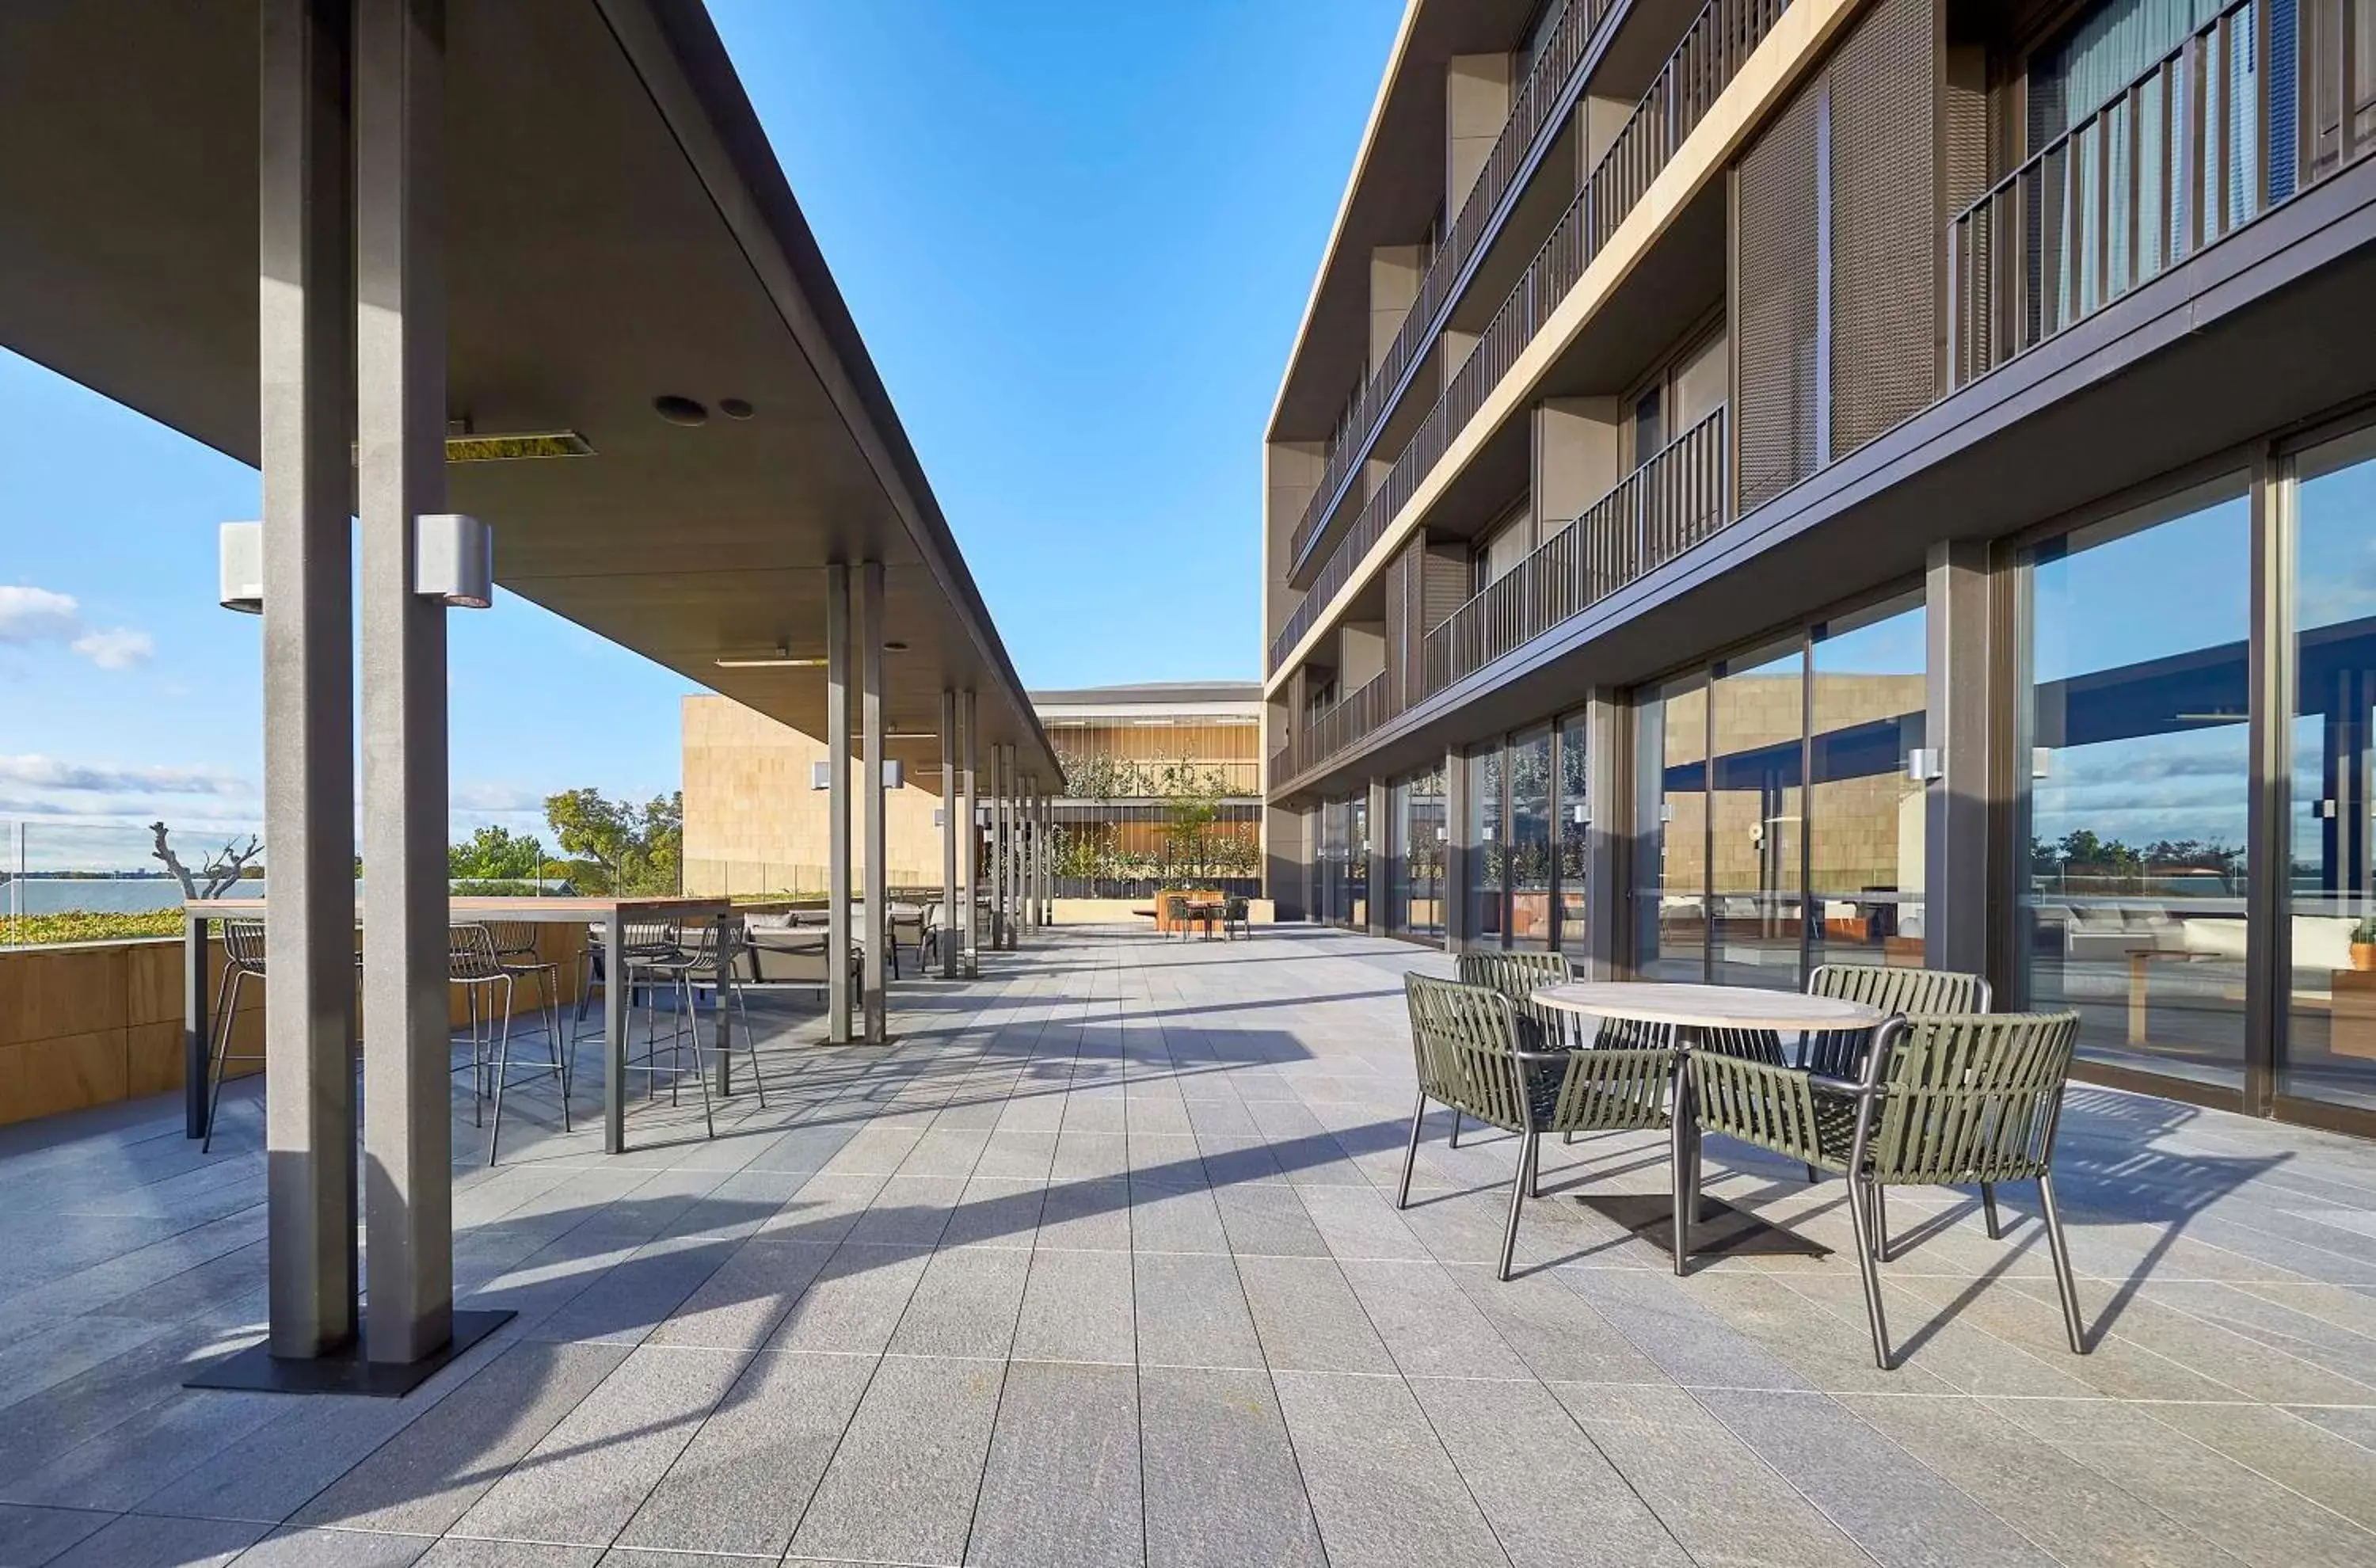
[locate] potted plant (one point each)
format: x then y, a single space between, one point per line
2363 942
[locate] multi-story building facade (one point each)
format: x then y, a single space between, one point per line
1763 483
1162 781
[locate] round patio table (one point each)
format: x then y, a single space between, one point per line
1690 1011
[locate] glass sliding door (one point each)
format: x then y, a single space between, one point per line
2329 1050
1867 699
2133 700
1670 877
1756 763
1531 830
1574 807
1420 826
1334 824
1357 863
1488 860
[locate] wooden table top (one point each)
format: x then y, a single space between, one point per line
539 910
1709 1006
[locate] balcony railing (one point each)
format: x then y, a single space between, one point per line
2204 140
1710 55
1334 728
1652 516
1544 89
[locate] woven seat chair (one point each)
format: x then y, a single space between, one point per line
473 963
1465 1045
1518 976
1947 1100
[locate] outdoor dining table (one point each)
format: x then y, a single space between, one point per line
1690 1011
609 917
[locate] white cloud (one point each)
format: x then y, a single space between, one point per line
118 649
37 616
45 773
31 616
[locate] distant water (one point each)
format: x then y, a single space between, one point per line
100 894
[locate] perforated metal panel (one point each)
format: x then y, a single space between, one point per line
1778 304
1885 209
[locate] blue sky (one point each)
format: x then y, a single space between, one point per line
1077 238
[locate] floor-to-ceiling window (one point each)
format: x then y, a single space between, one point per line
2329 1050
2132 810
1486 865
1575 836
1866 701
1670 880
1529 770
1419 838
1757 722
1357 863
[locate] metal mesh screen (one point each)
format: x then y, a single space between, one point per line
1885 223
1778 305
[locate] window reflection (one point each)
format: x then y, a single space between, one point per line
1671 832
1530 839
2330 1048
1866 709
1756 818
1573 835
1488 856
1417 908
2132 908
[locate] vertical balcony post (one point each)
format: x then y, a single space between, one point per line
838 951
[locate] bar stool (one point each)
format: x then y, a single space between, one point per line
516 951
703 963
471 961
243 956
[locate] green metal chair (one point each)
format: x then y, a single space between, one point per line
1951 1101
1465 1043
1518 976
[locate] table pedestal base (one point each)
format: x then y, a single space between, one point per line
1720 1230
256 1370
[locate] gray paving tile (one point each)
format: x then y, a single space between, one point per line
638 1294
2327 1469
1429 1324
583 1482
424 1477
966 1304
738 1307
1087 1214
1384 1489
1308 1317
901 1486
155 1447
147 1540
1498 1435
743 1483
1175 1219
1076 1307
1267 1221
1709 1489
299 1548
1358 1223
996 1211
1662 1318
1223 1488
1192 1312
1060 1487
455 1551
30 1535
854 1302
279 1466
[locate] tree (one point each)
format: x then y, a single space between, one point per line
618 847
234 862
493 854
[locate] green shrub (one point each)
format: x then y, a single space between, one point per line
83 926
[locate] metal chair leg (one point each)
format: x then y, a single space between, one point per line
2066 1285
1456 1126
1534 1158
1862 1206
226 1012
750 1041
1683 1154
1410 1152
1880 1225
502 1067
1510 1230
1989 1210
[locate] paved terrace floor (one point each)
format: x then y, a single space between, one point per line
1098 1265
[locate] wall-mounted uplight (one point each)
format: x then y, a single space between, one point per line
453 562
894 774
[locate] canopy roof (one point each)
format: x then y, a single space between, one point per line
618 231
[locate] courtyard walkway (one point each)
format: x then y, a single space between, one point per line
1098 1265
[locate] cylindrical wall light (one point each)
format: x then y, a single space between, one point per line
453 562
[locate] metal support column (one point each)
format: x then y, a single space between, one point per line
1603 955
970 847
400 475
1457 851
1047 859
1952 881
1379 873
998 928
948 949
306 317
836 801
877 937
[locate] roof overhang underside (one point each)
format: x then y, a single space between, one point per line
616 230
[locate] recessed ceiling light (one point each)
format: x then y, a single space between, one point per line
735 408
781 659
511 448
895 648
679 410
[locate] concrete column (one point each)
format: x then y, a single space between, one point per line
306 317
836 801
400 474
1456 850
971 857
1607 736
877 938
948 836
1006 847
1047 859
1285 855
1954 867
